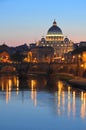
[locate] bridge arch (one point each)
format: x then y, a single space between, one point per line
8 69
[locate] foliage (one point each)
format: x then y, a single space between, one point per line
17 56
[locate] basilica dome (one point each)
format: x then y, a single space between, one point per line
54 33
54 29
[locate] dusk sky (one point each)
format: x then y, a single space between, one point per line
26 21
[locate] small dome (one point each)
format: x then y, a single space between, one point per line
66 40
54 29
43 40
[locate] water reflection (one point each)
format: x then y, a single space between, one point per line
37 82
66 100
7 84
34 95
71 101
33 91
74 103
83 105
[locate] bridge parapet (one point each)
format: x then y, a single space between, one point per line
25 67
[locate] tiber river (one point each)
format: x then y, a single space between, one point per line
34 105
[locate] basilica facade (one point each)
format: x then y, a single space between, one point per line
56 40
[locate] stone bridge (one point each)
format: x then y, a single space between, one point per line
26 68
14 68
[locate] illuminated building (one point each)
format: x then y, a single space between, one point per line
42 54
54 34
4 57
55 39
79 58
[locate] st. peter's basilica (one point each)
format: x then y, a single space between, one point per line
55 39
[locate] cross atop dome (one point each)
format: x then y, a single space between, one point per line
54 23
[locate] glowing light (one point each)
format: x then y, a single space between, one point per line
82 65
83 105
33 84
69 107
33 91
17 83
82 96
50 35
84 56
7 95
60 86
74 103
17 90
7 82
2 86
68 90
84 99
10 84
63 98
58 110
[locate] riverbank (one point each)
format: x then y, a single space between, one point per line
74 81
78 82
64 76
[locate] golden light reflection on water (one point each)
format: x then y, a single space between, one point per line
61 97
74 103
63 100
82 96
66 98
34 91
69 102
83 105
7 83
69 105
35 84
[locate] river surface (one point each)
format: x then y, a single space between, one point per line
34 104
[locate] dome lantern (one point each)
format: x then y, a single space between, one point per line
54 23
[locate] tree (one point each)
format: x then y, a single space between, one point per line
18 57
